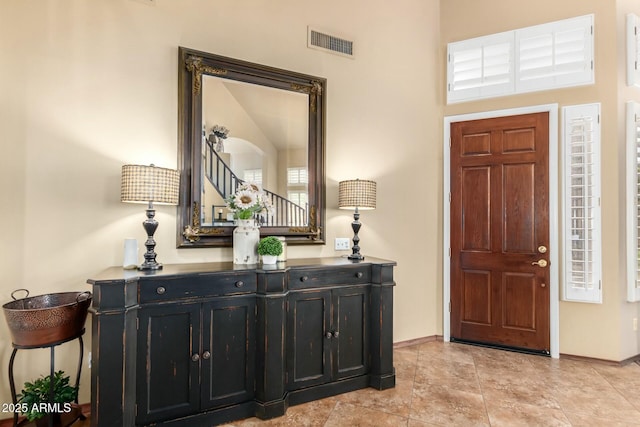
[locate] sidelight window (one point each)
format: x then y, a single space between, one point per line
581 204
633 201
633 50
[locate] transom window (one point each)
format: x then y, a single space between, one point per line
548 56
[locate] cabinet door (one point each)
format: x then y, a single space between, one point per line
350 327
167 377
228 351
308 352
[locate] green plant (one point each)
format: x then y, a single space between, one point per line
36 393
270 245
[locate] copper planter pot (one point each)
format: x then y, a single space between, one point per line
46 319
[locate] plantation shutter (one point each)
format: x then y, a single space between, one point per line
633 201
297 176
558 54
581 204
633 50
480 67
253 175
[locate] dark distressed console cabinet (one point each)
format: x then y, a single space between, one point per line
204 344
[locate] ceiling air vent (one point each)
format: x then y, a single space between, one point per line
328 43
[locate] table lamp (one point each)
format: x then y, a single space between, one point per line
356 194
149 184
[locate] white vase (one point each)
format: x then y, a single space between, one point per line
269 259
245 242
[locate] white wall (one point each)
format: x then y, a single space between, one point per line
89 85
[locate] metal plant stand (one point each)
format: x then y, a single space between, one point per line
77 412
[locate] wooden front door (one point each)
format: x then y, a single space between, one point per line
500 231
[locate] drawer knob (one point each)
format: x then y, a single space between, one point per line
195 357
359 274
304 278
239 284
206 355
161 290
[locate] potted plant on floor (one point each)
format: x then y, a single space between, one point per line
270 248
35 403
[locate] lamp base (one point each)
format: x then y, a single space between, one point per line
150 266
150 225
355 249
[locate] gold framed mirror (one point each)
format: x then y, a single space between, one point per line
237 122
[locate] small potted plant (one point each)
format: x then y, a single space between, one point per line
269 247
34 400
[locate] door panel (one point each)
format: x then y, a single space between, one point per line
308 321
228 348
519 287
518 213
351 322
476 184
168 379
477 297
499 217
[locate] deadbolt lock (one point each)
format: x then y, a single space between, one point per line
542 249
541 263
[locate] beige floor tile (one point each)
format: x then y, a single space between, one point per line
405 362
395 401
445 406
526 392
586 420
449 373
609 405
513 414
348 415
416 423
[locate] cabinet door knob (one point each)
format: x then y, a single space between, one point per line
304 278
336 334
239 284
206 355
329 335
161 290
195 357
359 274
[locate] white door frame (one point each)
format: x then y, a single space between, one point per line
554 216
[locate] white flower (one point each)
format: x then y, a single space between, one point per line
245 199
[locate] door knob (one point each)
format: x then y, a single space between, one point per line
329 334
206 355
541 263
542 249
195 357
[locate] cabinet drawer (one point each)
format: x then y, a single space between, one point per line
205 285
314 278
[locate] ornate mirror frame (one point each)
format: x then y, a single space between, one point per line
193 65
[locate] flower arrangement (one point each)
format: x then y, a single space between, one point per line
220 131
248 200
217 137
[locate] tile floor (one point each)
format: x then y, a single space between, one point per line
444 384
